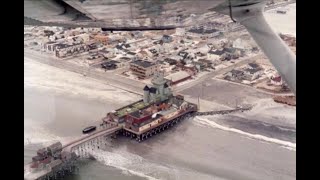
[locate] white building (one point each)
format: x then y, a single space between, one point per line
240 44
178 77
214 55
253 73
180 32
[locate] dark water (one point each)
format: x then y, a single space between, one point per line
187 151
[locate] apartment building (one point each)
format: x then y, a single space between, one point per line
143 69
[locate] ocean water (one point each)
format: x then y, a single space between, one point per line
190 150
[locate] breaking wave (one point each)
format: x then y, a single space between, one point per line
128 163
286 144
136 165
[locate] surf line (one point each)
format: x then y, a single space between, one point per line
286 144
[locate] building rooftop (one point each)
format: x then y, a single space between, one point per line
51 42
236 72
153 51
125 58
104 51
130 108
119 47
144 64
229 50
146 88
131 53
177 76
170 61
217 52
153 90
253 65
252 71
205 61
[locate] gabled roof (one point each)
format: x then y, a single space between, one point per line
144 64
119 47
252 71
253 65
131 53
236 72
146 88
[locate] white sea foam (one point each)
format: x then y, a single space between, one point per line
126 162
287 144
137 165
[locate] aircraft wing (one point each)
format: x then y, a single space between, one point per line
118 14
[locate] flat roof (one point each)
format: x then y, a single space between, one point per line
131 53
253 65
252 71
234 71
144 64
130 108
217 52
177 76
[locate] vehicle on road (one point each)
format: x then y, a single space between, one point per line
89 129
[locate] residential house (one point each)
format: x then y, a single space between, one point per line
183 54
142 54
214 55
170 61
235 74
180 31
253 66
94 55
64 50
166 39
253 74
204 49
137 34
102 38
240 44
190 68
153 51
130 54
206 63
110 65
50 46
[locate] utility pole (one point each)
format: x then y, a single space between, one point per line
198 102
202 84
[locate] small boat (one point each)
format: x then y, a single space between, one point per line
88 129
